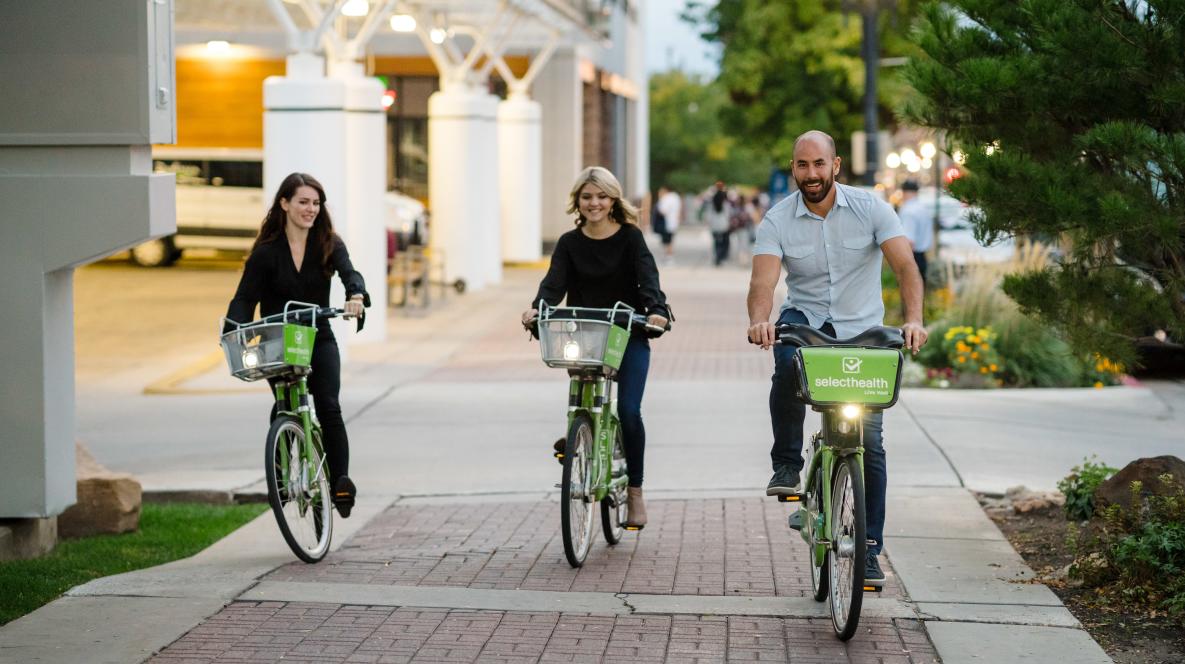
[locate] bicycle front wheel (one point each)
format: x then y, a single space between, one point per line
576 507
849 546
613 505
298 489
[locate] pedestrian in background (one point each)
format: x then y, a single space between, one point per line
718 214
670 207
918 219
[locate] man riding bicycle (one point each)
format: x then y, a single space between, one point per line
830 237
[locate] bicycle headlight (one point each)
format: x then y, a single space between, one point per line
250 359
571 351
851 411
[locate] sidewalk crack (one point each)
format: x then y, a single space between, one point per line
624 597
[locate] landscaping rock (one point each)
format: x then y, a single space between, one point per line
1025 500
1117 489
108 502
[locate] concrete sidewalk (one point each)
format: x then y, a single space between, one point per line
450 425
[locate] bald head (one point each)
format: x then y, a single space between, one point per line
818 138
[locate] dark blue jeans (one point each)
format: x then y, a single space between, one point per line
787 414
631 383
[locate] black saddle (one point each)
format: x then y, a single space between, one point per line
796 334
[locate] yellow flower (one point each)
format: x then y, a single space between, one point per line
983 347
983 370
992 367
962 359
975 356
1098 384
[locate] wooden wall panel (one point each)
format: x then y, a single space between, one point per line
220 101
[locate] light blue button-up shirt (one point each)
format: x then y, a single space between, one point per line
833 265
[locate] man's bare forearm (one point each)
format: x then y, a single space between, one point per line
912 290
760 303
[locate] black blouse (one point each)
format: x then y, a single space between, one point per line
270 279
600 273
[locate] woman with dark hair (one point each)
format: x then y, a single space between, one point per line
601 262
294 257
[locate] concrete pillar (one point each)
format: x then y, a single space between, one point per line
560 90
463 183
332 128
76 187
520 170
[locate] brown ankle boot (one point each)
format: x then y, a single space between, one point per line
635 508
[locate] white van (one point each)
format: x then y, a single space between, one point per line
220 204
219 201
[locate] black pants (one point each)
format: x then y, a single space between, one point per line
325 384
919 257
721 247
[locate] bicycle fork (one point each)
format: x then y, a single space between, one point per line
296 396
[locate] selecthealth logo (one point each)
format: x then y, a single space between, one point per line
852 365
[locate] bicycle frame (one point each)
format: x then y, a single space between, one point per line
294 394
829 445
592 394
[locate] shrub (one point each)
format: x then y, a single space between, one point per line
1137 555
1079 487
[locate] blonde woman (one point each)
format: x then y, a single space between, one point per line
605 260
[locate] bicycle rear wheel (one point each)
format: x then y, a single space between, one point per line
298 489
613 505
849 546
576 508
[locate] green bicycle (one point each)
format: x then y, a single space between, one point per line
590 344
280 348
842 380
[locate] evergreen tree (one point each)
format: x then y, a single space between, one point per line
1072 116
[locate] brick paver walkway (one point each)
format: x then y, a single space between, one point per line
717 547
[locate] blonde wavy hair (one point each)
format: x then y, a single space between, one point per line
622 211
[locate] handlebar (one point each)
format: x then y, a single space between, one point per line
301 313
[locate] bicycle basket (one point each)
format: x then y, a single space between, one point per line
264 350
833 375
572 343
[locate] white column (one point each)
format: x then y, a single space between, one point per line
463 183
561 91
332 129
520 167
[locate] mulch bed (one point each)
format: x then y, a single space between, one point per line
1129 636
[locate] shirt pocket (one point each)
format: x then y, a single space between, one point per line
801 257
856 249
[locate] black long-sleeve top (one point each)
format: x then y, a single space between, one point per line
270 279
600 273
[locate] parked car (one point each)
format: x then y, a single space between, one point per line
220 205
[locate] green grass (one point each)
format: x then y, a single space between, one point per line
167 532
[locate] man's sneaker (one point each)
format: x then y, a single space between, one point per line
873 576
343 496
783 483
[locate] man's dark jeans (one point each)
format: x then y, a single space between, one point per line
787 413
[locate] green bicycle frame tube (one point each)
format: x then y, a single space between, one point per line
593 396
835 445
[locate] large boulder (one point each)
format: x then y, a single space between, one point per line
1147 471
108 502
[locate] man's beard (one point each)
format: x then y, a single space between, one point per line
823 191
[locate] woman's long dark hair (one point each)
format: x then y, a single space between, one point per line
321 234
718 200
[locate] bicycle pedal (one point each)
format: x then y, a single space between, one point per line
792 498
632 528
795 520
872 589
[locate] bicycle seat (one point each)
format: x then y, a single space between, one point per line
804 335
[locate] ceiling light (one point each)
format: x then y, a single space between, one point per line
403 23
356 8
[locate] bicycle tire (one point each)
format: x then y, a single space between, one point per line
576 513
849 547
613 505
820 584
299 495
